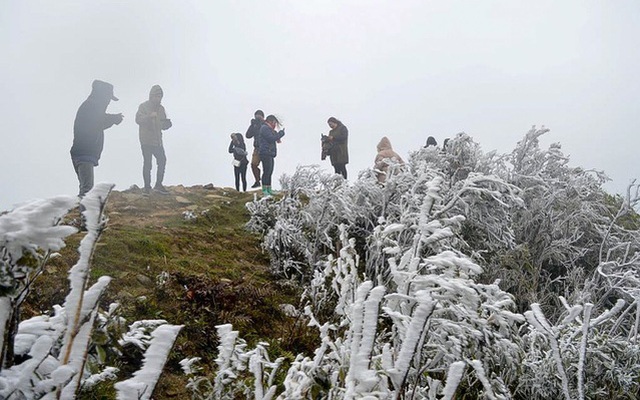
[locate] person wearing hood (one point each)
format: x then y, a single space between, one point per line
268 138
385 157
339 151
88 132
431 141
152 119
240 161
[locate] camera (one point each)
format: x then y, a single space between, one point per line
327 144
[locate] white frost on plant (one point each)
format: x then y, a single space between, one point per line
143 382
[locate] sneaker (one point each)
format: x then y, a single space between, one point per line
161 189
255 185
146 190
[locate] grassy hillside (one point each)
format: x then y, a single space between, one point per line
186 258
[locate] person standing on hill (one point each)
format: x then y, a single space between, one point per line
431 141
386 156
88 132
339 151
239 151
252 132
268 149
152 119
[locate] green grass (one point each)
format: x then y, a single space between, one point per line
217 272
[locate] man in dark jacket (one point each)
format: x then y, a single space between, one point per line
252 132
88 132
152 119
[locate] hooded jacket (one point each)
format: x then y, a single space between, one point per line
151 127
339 153
385 156
90 123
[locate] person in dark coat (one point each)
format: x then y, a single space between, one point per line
431 141
152 120
88 132
339 151
268 138
240 161
252 132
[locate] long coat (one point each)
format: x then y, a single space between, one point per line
151 128
91 122
339 153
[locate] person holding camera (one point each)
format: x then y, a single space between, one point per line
240 161
268 138
152 119
338 150
252 132
88 132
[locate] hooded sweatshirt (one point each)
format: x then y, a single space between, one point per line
384 156
90 123
151 127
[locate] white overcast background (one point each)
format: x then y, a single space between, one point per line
404 69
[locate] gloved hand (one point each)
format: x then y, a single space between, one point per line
119 118
281 133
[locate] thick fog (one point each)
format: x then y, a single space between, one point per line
404 69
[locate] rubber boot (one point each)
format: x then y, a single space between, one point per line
265 191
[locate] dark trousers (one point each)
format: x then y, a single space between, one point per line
84 170
267 169
161 160
241 173
341 169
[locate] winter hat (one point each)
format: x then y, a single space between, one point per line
103 88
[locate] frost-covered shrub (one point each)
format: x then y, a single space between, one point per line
404 309
63 354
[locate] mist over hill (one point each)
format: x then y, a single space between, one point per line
459 273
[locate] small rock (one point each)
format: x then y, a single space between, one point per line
180 189
215 197
145 280
182 200
209 186
192 207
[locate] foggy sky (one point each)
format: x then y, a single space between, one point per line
404 69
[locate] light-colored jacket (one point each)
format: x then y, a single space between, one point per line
384 158
151 127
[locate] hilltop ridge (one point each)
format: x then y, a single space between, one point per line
185 257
